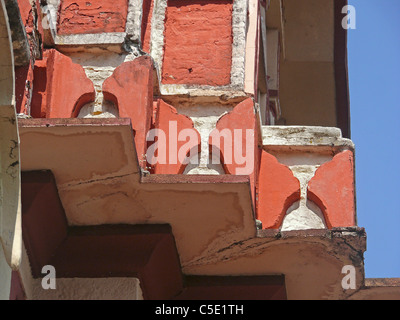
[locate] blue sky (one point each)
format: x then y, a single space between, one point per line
374 79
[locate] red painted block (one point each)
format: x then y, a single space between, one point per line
278 190
181 139
235 140
60 87
198 42
130 88
234 137
89 16
332 189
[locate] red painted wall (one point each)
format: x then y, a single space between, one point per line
198 42
92 16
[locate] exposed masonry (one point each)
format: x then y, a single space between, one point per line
236 87
306 138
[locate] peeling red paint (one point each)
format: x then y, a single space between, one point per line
88 16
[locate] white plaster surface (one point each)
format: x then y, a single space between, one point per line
303 214
157 33
239 21
88 39
251 47
134 20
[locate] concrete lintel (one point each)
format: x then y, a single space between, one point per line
304 138
112 41
227 92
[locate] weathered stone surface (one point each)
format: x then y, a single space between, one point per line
301 137
20 42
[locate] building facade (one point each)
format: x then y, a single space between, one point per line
171 149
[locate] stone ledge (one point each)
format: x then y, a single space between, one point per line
304 137
382 282
322 233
